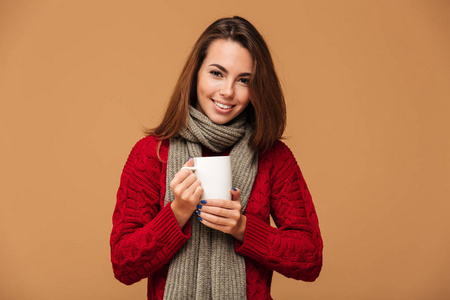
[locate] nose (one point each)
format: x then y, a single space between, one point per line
227 89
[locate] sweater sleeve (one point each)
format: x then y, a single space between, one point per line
294 248
144 236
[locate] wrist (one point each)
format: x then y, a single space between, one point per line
181 215
241 230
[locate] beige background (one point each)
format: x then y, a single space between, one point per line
367 88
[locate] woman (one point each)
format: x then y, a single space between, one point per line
227 101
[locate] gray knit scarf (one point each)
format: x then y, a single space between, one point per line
207 267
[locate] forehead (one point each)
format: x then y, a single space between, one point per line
230 55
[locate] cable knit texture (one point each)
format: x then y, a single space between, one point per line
146 235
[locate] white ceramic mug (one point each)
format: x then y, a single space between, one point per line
214 173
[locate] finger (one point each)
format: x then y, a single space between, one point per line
213 219
182 174
223 203
235 194
182 186
189 163
198 192
191 189
220 212
212 225
189 181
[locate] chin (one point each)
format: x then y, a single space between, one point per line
219 120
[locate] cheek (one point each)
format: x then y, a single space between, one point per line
206 87
200 85
243 96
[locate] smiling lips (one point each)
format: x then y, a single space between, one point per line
223 106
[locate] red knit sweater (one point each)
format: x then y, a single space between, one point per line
145 234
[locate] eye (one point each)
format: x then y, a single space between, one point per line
215 73
244 80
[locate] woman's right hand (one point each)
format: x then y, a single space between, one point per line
187 190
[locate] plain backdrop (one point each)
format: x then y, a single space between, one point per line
367 85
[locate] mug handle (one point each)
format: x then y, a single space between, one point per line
189 168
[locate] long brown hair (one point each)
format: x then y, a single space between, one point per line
267 109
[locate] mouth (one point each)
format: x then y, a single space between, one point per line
222 106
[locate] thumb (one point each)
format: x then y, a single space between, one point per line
235 194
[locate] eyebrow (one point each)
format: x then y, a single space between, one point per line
226 71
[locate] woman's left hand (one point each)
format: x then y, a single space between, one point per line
224 215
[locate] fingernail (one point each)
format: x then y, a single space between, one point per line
234 189
198 213
199 206
203 202
200 218
189 158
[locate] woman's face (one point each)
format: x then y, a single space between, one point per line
222 82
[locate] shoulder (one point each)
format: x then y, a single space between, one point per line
147 143
279 161
144 160
278 152
282 165
150 145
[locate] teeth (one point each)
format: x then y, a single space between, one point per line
222 105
